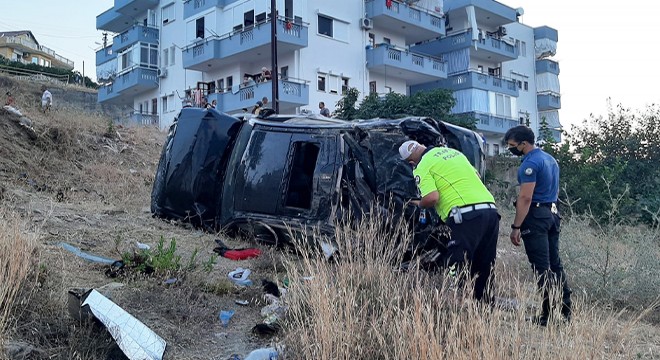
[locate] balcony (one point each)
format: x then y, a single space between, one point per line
105 55
292 93
491 124
133 8
252 43
488 13
29 47
547 66
194 7
127 85
413 23
478 80
137 33
113 21
548 101
400 63
482 46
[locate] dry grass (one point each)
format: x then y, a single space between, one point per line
18 256
364 308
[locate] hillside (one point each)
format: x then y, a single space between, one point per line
77 179
73 176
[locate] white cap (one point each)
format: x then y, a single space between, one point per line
407 148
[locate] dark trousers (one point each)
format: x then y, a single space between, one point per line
540 233
475 240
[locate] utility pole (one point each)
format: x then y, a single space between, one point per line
273 54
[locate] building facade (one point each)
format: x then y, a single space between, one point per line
165 53
23 47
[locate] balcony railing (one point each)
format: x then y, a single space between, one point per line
479 80
292 92
548 101
482 46
498 124
137 33
43 50
414 22
416 68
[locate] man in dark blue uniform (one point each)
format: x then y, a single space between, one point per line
537 220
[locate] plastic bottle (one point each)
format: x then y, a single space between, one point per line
422 216
225 316
263 354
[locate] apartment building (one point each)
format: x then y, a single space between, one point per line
23 47
163 52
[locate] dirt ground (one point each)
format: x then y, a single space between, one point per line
78 180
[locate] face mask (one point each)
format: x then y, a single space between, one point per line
514 150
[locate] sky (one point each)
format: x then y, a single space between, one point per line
605 50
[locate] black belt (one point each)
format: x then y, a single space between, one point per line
538 204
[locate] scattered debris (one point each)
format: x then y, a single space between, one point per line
225 316
240 276
235 254
242 302
170 281
263 354
89 257
142 246
134 338
270 287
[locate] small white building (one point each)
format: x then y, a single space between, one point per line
164 52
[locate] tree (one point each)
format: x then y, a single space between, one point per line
436 104
610 154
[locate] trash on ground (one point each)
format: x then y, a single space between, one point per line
142 246
134 338
235 254
170 281
266 329
225 316
270 287
240 276
263 354
115 269
242 302
89 257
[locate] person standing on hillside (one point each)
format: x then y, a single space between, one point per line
448 182
46 99
10 99
537 219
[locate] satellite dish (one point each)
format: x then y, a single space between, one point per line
520 11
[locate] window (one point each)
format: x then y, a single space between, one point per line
325 26
519 84
149 55
522 120
126 60
503 105
166 57
372 87
526 86
248 18
221 85
167 14
344 86
35 60
301 183
172 55
496 149
523 49
487 148
199 28
141 107
480 68
154 106
284 72
333 28
288 9
321 82
230 82
387 41
333 82
164 102
372 39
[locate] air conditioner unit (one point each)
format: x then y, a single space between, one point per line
366 24
502 30
162 73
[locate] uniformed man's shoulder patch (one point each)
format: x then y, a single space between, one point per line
529 171
417 179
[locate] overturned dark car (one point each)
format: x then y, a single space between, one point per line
268 175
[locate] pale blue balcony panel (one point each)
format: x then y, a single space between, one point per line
487 48
113 21
547 66
412 22
546 32
194 7
491 124
105 55
488 13
252 43
137 33
400 63
134 8
548 101
478 80
107 95
136 81
292 93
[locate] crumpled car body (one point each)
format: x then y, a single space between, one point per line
274 176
